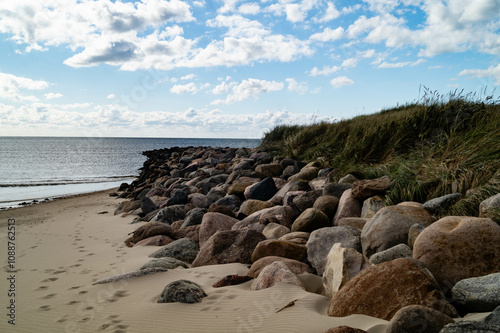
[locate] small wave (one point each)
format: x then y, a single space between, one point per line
55 182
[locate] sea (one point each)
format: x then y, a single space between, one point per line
34 169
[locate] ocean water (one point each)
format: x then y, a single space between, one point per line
35 168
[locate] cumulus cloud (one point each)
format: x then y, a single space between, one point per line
250 88
328 35
184 88
111 96
492 72
341 81
249 9
53 95
298 87
326 70
331 13
401 64
12 86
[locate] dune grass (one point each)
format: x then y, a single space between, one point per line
437 146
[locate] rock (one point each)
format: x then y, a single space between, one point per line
437 205
182 291
491 208
390 226
327 204
275 231
306 200
494 317
459 247
354 222
193 217
348 207
263 190
178 197
167 263
229 246
418 319
269 170
341 265
363 189
170 214
291 186
198 199
348 179
193 232
231 280
127 206
477 294
231 201
283 214
280 248
221 210
321 241
248 207
310 220
344 329
158 240
318 184
148 230
371 206
184 249
238 189
147 206
213 222
415 230
214 194
335 189
295 266
469 326
307 173
298 237
399 283
276 272
395 252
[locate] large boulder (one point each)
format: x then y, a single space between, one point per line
418 319
310 220
459 247
166 263
269 170
291 186
248 207
274 230
263 190
395 252
491 208
306 200
348 207
295 266
327 204
283 214
184 249
229 246
193 217
147 206
342 264
213 222
182 291
382 290
298 237
390 227
158 240
470 326
477 294
276 272
178 197
170 214
363 189
335 189
148 230
321 241
230 201
307 173
280 248
438 205
371 206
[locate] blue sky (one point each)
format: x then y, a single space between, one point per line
230 68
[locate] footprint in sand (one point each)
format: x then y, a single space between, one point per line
83 292
85 271
45 308
72 302
49 296
42 288
52 279
62 319
75 287
59 271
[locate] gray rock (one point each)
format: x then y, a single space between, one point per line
335 189
494 317
418 319
363 189
170 214
437 205
491 208
348 207
327 204
213 222
275 231
182 291
193 217
348 179
167 263
184 249
321 241
275 272
306 200
310 220
178 197
469 326
147 206
477 294
263 190
371 206
398 251
231 201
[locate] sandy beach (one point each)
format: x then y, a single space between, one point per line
62 247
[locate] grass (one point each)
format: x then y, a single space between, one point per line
436 146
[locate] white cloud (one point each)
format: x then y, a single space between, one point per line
53 95
188 77
184 88
325 71
11 87
351 62
199 3
250 88
341 81
298 87
401 64
492 72
331 13
111 96
328 35
249 8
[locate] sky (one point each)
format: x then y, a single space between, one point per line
231 68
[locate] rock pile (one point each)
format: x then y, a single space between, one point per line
208 206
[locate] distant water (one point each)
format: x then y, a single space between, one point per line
35 168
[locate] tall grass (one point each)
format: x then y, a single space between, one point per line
435 146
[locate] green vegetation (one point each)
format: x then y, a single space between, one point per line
437 146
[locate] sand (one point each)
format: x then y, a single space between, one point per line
62 247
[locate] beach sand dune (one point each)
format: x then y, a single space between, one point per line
64 246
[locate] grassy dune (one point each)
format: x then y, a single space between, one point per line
440 145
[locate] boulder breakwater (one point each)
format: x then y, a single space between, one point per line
203 206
